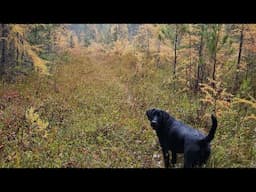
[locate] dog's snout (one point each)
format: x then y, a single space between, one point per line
153 123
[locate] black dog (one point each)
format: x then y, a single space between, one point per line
180 138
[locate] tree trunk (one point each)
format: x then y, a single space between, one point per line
236 80
50 41
3 49
71 42
190 59
175 51
117 31
147 43
175 54
158 52
215 57
36 38
199 78
17 56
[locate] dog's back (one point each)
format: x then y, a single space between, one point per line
179 129
179 132
193 143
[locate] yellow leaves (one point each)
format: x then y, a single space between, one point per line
39 64
96 48
209 92
119 31
33 118
240 100
17 38
119 47
207 100
62 38
251 103
20 29
16 34
36 123
252 116
216 97
207 88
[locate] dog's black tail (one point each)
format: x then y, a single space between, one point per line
211 134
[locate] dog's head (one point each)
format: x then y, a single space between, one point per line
157 117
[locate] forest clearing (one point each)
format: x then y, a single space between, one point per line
75 95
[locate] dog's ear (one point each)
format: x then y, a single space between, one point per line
164 116
149 114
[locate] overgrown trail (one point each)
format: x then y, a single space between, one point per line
107 127
95 80
91 113
114 74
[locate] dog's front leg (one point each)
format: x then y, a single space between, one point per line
166 158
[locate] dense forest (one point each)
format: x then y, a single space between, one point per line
75 95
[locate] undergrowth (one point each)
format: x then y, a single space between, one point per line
91 113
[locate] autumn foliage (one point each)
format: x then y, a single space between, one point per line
75 95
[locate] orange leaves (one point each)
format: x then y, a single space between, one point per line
245 101
216 97
251 103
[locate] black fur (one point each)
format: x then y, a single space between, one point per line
177 137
